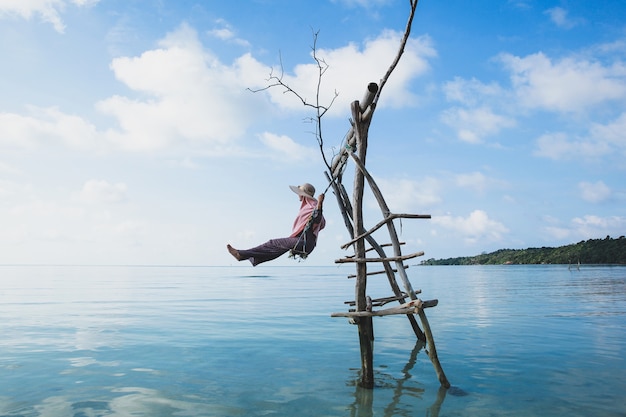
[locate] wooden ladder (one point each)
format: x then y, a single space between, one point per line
363 311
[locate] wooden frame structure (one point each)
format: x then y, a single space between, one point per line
355 148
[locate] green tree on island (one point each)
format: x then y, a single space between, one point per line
592 251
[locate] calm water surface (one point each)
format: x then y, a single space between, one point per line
242 341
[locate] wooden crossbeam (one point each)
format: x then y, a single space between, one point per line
387 219
385 300
384 245
412 307
388 259
378 272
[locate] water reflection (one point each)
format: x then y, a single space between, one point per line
403 392
128 401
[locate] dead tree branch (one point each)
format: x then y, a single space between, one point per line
403 42
320 110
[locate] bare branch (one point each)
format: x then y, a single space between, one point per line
320 110
405 39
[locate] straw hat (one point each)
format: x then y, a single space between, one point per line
305 190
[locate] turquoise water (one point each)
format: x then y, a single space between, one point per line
242 341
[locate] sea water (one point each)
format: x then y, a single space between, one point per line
242 341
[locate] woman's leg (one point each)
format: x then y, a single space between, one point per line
267 251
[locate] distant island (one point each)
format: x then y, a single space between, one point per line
593 251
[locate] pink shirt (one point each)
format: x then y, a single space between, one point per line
306 209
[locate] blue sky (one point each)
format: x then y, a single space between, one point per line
129 135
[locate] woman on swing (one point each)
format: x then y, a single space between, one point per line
303 238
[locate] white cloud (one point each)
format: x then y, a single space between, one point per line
32 219
592 227
476 120
363 3
601 140
594 192
100 191
225 32
475 227
410 196
45 127
8 168
10 189
477 181
559 146
588 227
222 33
566 85
286 149
520 4
186 95
45 230
186 163
559 16
559 233
471 92
618 46
612 135
352 68
573 84
181 94
48 10
473 125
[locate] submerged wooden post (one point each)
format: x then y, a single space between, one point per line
432 350
366 330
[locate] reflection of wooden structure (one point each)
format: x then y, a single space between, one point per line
364 398
355 148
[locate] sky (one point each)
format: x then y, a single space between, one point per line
140 132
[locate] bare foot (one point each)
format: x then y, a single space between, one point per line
233 252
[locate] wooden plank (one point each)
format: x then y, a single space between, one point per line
389 259
377 272
388 218
387 312
412 307
385 300
381 301
384 245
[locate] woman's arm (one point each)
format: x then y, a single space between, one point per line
320 201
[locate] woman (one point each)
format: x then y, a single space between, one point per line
303 236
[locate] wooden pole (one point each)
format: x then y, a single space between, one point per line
432 350
366 329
